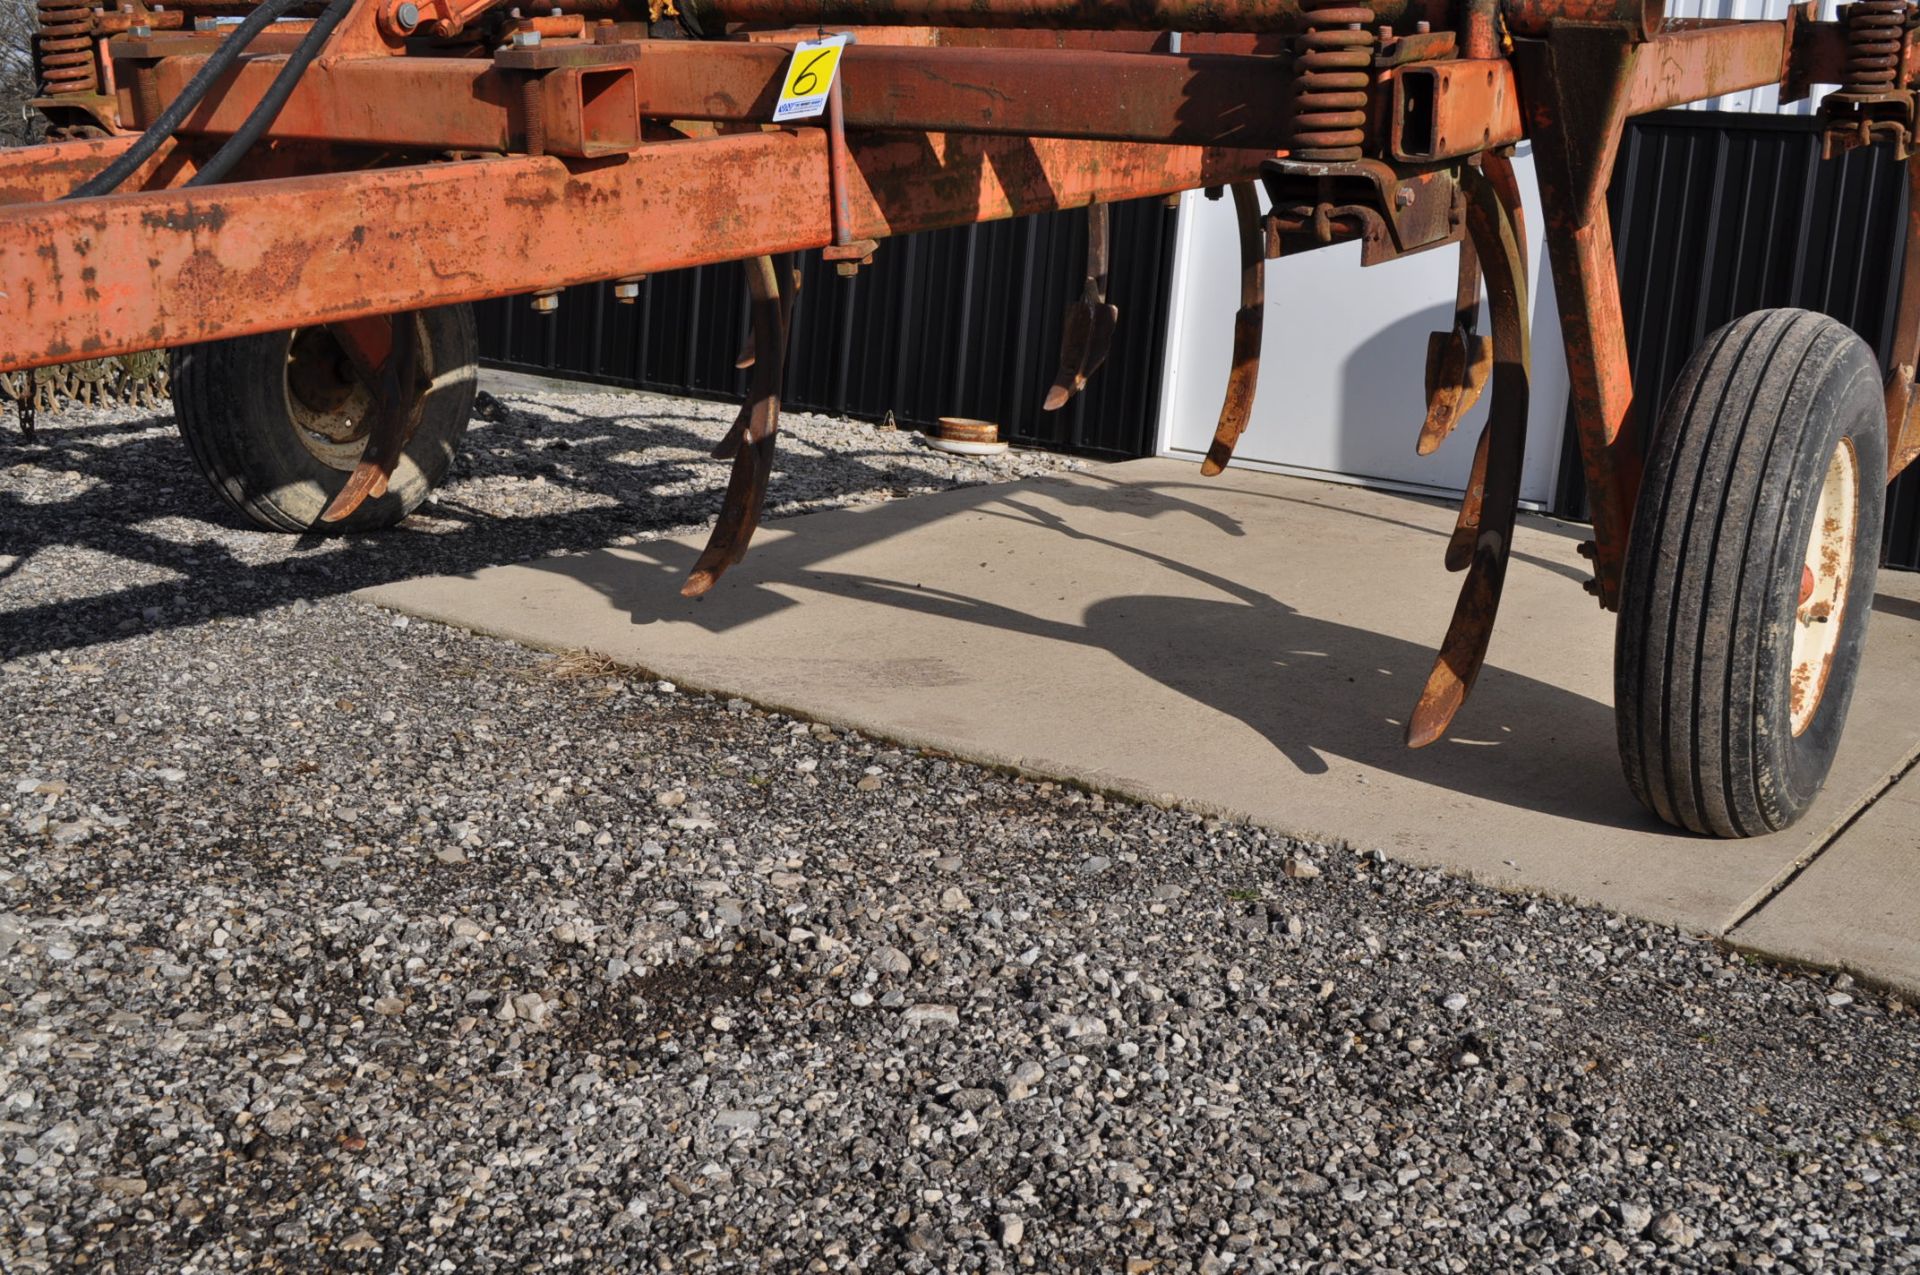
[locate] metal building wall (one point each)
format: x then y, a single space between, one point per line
962 322
1717 214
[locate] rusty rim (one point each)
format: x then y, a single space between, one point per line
326 403
1825 576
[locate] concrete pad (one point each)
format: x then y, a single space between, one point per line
1250 644
1857 906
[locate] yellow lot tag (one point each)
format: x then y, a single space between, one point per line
809 77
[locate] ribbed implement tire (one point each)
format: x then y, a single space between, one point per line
1712 590
232 403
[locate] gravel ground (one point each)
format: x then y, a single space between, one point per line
334 941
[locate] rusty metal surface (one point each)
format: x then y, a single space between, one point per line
1243 376
754 433
1495 497
459 103
1903 424
1587 290
385 355
260 256
1459 360
1086 333
1447 109
1191 98
1092 15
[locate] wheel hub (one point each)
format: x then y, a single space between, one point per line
328 406
1825 576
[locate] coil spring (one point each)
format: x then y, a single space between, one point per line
1876 31
66 48
1330 113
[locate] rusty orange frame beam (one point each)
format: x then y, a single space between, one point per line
1579 86
1203 99
231 260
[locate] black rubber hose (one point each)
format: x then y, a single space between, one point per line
109 178
261 118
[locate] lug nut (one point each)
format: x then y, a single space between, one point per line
546 302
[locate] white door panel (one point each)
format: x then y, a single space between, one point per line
1341 391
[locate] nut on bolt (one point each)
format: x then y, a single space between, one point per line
627 291
546 302
526 39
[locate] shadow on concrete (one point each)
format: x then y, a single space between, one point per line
1315 690
1904 608
144 503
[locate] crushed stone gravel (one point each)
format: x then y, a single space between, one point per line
335 941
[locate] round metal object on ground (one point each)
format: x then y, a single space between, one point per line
964 436
963 429
959 448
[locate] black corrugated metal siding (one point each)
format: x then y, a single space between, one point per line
1719 214
962 322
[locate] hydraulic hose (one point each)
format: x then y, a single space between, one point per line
109 178
267 110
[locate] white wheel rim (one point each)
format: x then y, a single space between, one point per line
1825 575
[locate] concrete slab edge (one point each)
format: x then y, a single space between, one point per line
1109 785
1758 901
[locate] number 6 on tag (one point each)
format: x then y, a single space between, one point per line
809 77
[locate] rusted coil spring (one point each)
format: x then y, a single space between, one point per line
1330 114
66 48
1875 34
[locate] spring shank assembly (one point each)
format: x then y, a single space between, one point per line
1876 32
66 63
1336 56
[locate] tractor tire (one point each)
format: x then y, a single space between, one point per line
1750 574
276 423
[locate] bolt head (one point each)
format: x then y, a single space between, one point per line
626 292
407 16
204 24
546 302
526 39
140 31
